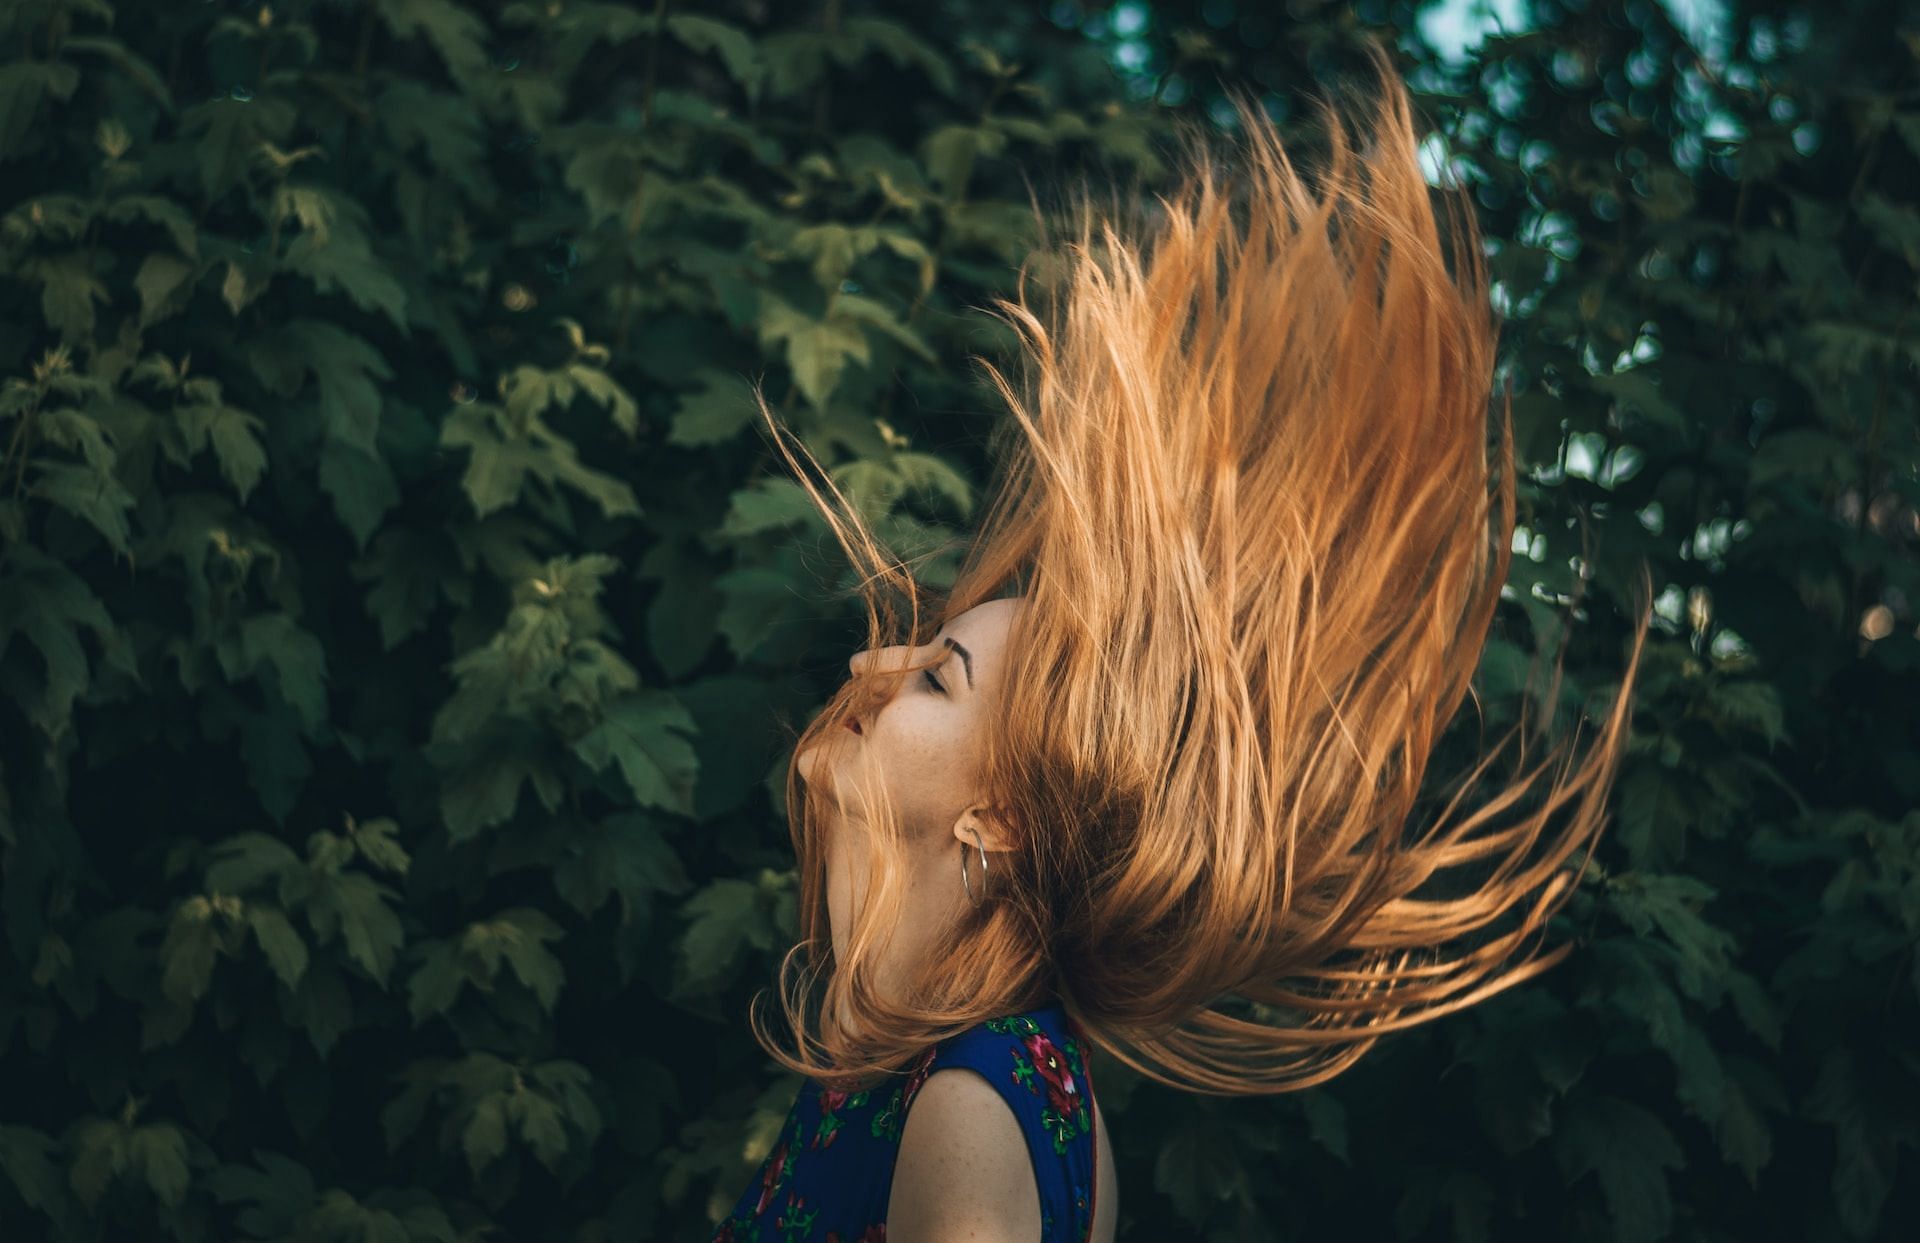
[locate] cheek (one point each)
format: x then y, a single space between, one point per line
922 756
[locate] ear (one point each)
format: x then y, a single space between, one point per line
994 832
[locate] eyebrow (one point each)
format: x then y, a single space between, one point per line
966 658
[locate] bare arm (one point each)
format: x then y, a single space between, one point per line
963 1174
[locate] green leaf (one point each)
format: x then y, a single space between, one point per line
905 49
722 920
232 432
1326 1123
98 1153
572 1086
451 29
1198 1168
876 315
925 472
539 1124
159 1152
50 604
225 134
501 458
832 249
731 44
23 83
1629 1150
169 215
279 1188
246 860
755 601
520 935
356 906
1639 389
413 572
285 951
680 618
1671 904
624 854
600 386
245 281
347 264
1865 1154
713 413
1756 1008
377 845
94 496
1653 813
435 985
441 127
276 641
795 60
817 350
1752 705
1895 225
485 791
323 1007
1742 1132
160 278
484 1138
767 505
660 766
362 487
75 430
950 151
188 953
27 1162
348 373
910 247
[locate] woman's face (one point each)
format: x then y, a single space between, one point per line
925 747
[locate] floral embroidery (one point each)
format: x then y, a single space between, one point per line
807 1190
775 1176
889 1122
876 1233
794 1223
830 1102
1057 1067
775 1173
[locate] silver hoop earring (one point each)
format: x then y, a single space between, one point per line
964 880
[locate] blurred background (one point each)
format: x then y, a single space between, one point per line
402 623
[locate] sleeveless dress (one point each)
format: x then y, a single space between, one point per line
830 1173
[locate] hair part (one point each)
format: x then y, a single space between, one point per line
1247 495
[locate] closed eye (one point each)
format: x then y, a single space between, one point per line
928 675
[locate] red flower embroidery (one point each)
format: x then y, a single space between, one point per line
831 1100
876 1233
1062 1092
770 1181
918 1077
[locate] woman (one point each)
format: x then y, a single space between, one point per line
1234 580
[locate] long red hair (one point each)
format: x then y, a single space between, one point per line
1247 493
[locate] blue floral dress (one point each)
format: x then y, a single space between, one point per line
830 1173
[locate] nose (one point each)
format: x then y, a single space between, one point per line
862 661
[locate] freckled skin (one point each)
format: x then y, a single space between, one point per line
926 746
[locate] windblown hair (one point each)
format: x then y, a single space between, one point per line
1248 496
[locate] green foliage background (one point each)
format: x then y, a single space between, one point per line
399 615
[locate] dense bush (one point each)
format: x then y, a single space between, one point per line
399 615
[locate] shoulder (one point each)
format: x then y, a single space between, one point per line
963 1170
